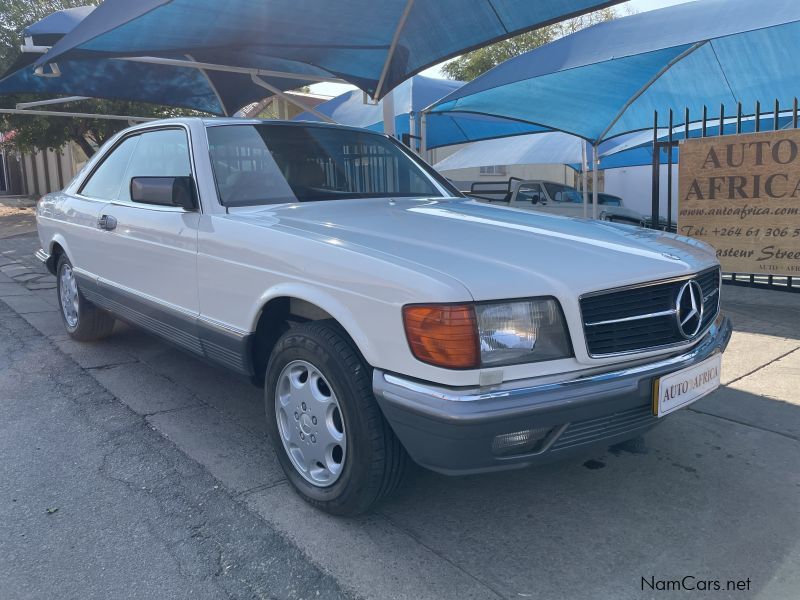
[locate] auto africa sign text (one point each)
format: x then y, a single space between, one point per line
741 194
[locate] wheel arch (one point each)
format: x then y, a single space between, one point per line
284 305
55 249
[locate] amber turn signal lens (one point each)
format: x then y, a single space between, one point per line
444 335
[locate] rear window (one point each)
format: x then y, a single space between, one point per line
273 164
609 200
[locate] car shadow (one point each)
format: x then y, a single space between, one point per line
708 495
711 492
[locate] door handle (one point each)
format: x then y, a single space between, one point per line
107 223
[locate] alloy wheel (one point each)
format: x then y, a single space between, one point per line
310 423
68 293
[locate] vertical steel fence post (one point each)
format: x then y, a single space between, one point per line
656 173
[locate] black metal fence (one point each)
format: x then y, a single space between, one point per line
774 119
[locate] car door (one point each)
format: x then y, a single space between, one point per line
80 212
150 254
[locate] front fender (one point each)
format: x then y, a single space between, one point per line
326 301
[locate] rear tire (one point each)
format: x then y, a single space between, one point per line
366 461
83 321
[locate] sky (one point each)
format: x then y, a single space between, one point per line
334 89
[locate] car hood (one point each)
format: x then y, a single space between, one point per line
621 211
495 252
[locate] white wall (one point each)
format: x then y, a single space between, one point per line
635 186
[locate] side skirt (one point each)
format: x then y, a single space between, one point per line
228 348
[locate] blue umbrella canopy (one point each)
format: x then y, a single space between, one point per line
374 45
629 150
410 97
413 96
211 92
449 128
52 28
214 92
609 79
49 31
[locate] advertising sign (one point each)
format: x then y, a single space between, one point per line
741 194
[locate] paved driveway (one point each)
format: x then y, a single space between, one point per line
713 493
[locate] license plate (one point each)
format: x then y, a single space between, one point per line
683 387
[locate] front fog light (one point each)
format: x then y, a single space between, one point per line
522 331
520 442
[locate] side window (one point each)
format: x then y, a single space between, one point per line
105 182
162 153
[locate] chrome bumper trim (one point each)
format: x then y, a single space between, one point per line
714 341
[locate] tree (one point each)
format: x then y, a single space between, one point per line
469 66
39 132
33 133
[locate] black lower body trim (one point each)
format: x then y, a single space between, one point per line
226 348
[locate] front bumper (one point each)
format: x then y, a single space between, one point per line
460 431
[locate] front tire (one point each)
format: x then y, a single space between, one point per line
331 439
83 321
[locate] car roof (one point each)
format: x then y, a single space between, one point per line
222 121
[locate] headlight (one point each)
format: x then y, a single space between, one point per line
470 336
521 332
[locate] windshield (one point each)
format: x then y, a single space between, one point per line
563 193
273 164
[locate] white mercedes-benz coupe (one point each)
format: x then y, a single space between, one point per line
386 316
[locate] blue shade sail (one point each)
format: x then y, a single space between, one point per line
212 92
360 41
449 128
609 79
47 32
52 28
215 92
410 97
628 150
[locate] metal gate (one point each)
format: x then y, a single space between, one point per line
725 125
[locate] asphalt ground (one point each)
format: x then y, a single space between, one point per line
139 446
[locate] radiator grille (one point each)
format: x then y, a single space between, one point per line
644 317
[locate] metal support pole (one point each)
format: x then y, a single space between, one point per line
52 113
173 62
401 23
656 173
412 131
387 103
585 179
669 173
260 82
23 105
423 135
596 163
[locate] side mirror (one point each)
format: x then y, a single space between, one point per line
164 191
